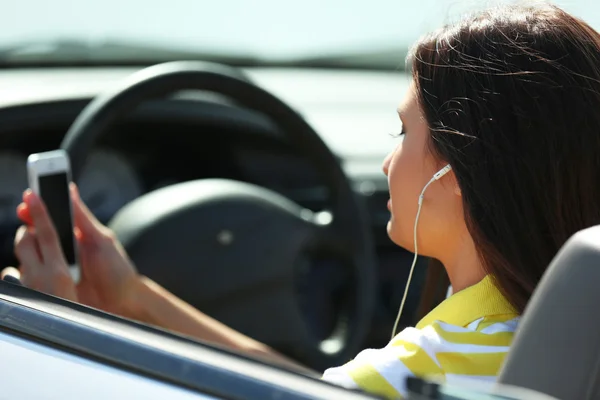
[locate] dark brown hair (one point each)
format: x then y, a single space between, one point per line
512 98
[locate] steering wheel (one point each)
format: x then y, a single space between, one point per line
232 249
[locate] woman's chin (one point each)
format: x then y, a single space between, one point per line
396 235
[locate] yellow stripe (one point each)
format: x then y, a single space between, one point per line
470 304
478 338
471 363
417 360
370 380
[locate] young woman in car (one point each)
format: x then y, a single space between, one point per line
510 99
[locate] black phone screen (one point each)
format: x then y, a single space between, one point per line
54 191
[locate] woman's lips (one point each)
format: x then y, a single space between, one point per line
389 204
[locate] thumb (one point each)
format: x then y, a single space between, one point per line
87 224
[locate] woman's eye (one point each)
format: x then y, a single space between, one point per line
396 135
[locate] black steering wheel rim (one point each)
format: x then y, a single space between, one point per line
165 79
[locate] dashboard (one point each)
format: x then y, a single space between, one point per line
198 135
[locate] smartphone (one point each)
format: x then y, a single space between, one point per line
49 176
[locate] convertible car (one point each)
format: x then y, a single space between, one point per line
270 169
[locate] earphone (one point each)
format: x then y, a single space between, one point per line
438 175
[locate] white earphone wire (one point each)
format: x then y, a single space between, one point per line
436 177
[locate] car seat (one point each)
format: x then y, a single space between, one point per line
556 349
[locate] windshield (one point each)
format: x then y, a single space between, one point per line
376 33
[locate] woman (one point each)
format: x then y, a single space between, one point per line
510 99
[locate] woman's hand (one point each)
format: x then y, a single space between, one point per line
109 281
108 278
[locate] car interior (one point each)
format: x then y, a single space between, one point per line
269 171
263 280
220 148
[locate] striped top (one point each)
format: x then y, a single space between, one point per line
467 336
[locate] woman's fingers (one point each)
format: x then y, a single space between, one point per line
86 223
37 246
49 276
47 238
28 254
26 246
23 214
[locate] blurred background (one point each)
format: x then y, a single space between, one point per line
376 33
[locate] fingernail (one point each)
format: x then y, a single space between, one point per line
74 190
29 197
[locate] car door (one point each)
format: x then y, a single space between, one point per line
55 349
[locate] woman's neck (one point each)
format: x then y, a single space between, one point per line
462 264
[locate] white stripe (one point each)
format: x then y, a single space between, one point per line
416 337
444 346
337 376
508 326
473 325
454 328
389 367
